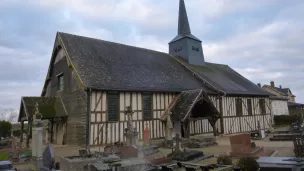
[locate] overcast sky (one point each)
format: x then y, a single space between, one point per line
261 39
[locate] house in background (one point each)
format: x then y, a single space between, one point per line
96 80
279 99
280 92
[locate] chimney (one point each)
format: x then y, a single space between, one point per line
259 84
271 83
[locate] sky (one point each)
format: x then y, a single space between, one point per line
262 40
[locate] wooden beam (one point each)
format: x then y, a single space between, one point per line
22 127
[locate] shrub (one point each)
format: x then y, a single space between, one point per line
286 119
248 164
226 160
5 128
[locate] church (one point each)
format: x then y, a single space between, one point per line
91 82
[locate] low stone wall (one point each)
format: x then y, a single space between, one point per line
75 163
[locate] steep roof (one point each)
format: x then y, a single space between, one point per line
49 107
283 91
106 65
225 78
113 66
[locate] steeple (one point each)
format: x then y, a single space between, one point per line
183 23
186 45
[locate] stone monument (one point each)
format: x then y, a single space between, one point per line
48 159
169 127
130 132
241 146
37 133
146 135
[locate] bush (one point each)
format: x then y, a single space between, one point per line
226 160
5 129
286 119
248 164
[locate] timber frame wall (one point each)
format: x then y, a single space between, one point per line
246 122
106 132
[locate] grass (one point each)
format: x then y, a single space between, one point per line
26 152
3 156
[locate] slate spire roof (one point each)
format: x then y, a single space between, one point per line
183 24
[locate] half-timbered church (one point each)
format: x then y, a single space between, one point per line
90 82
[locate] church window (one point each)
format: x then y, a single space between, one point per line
249 107
147 106
60 83
238 107
262 106
113 105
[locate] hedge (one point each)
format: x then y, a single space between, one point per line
286 119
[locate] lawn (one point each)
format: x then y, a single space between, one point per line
4 155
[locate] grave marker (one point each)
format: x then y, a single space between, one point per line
146 135
48 159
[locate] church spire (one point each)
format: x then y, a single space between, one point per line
185 45
183 23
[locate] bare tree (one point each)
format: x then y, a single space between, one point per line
10 115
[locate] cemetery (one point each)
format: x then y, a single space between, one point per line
178 154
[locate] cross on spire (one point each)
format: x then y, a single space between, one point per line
183 23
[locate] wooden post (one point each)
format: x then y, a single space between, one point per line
29 130
52 126
22 128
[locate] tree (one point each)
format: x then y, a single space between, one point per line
5 128
10 115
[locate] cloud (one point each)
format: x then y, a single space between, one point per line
260 39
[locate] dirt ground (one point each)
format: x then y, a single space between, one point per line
282 149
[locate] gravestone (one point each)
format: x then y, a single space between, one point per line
241 146
177 144
281 163
48 159
183 155
146 135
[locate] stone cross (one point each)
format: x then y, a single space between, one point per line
37 116
169 127
178 147
130 132
129 114
48 158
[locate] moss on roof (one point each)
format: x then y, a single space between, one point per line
49 107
